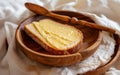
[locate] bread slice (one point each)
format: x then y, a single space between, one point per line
55 37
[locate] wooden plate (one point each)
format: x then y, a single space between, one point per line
91 41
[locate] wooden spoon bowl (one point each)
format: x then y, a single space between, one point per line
92 39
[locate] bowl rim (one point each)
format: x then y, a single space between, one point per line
98 41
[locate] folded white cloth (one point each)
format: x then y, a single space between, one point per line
113 71
14 62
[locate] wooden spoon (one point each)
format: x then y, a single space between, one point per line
42 11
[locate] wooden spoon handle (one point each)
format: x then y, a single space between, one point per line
63 18
96 26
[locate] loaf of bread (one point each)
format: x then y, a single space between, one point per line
55 37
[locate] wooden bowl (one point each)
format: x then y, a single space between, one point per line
92 39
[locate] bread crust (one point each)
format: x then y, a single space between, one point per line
32 32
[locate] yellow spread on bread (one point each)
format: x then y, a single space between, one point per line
57 34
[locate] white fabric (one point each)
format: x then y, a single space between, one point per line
113 71
13 62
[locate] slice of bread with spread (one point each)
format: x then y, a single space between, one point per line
55 37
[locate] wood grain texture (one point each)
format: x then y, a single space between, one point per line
37 53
